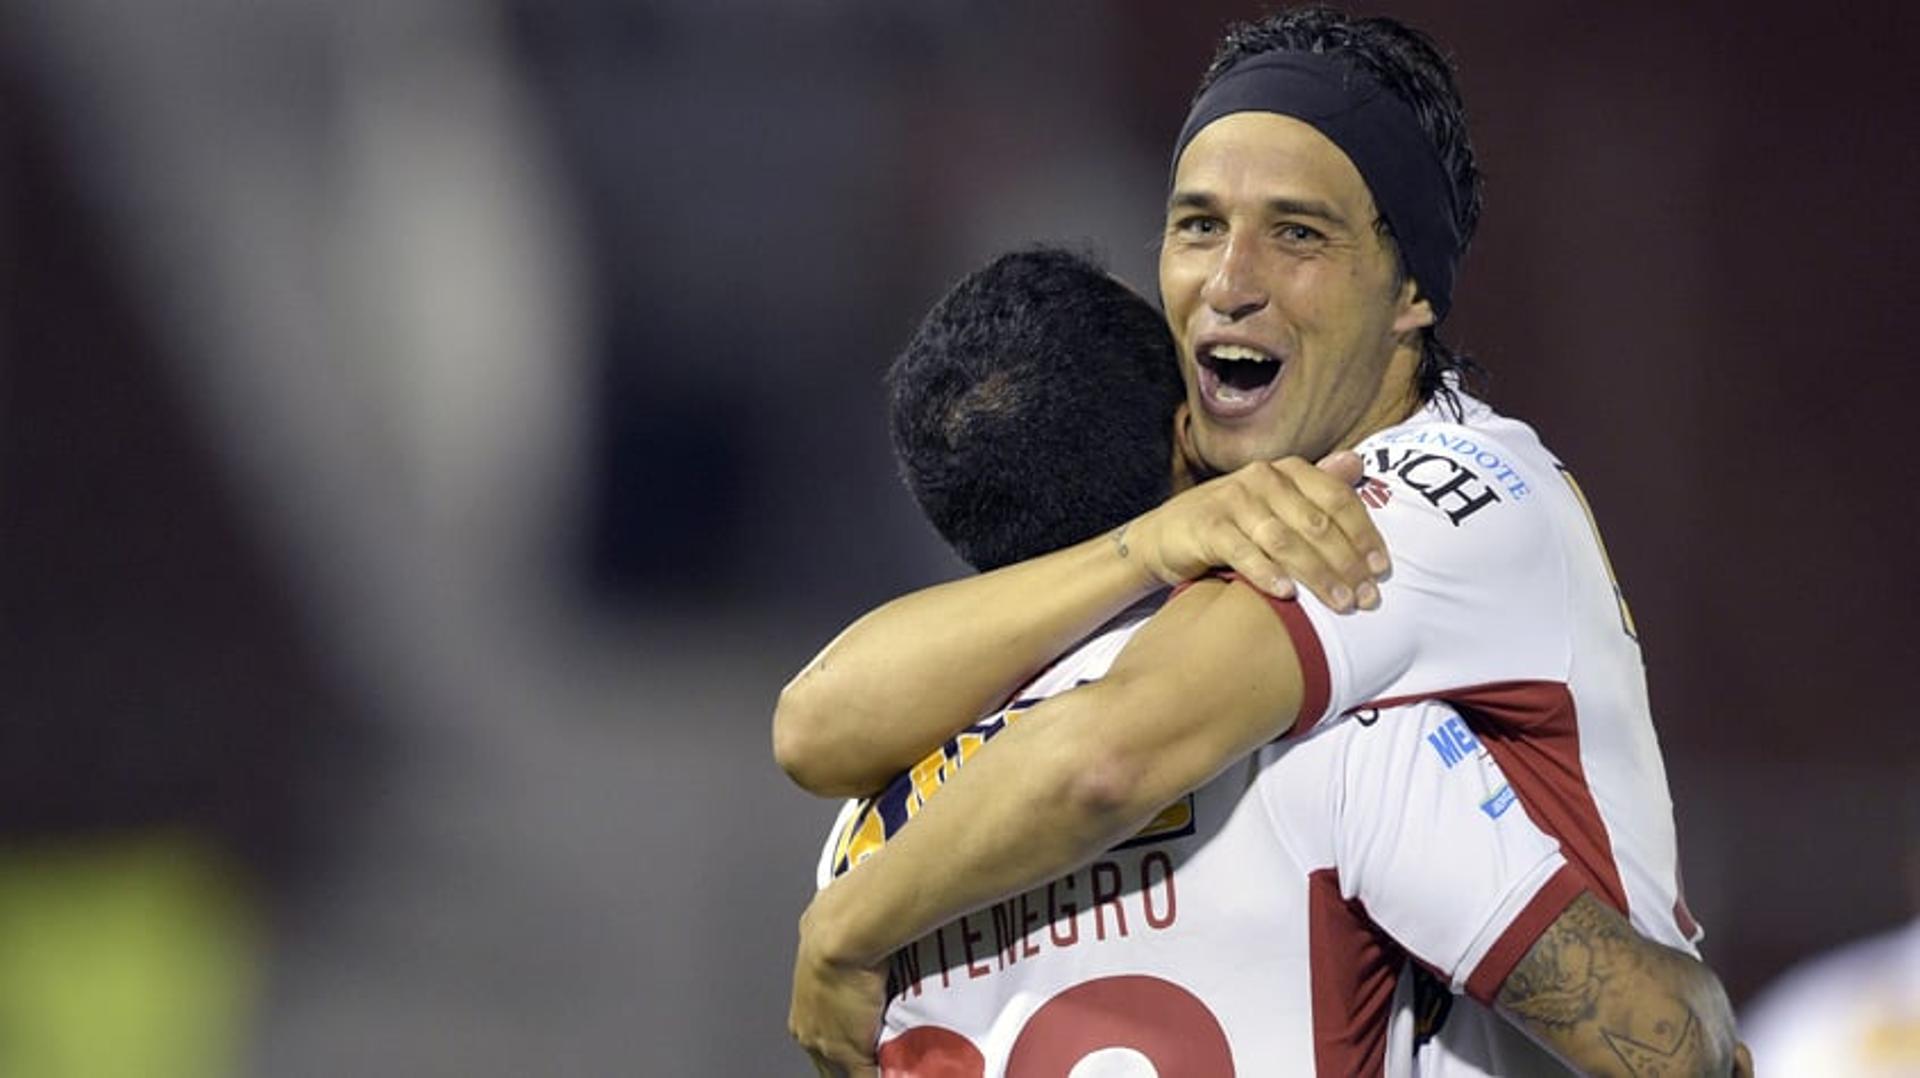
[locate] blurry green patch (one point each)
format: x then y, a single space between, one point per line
131 956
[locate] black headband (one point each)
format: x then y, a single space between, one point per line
1377 132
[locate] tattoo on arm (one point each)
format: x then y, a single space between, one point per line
1649 1059
1120 540
1597 992
1556 984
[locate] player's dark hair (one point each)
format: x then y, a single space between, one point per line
1033 408
1413 68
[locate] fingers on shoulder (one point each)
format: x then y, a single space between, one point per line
1332 496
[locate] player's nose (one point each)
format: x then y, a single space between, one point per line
1234 289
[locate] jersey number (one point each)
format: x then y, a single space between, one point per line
1106 1023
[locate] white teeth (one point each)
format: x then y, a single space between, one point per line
1238 353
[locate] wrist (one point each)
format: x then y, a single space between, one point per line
826 930
1127 549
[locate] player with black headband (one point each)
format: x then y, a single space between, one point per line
1031 409
1306 262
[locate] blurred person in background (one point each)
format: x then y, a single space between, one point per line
1270 272
1853 1010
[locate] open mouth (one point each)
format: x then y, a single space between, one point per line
1236 379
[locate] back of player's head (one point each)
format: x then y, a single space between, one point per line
1033 408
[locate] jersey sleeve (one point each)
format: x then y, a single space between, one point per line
1478 590
837 838
1430 839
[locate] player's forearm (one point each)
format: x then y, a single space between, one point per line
1030 806
1672 1019
1082 771
1611 1002
913 672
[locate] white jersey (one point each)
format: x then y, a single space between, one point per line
1500 673
1240 932
1502 603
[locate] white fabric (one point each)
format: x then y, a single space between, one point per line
1499 577
1499 581
1222 910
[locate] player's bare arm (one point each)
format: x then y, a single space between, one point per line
911 673
1611 1002
831 1016
1181 702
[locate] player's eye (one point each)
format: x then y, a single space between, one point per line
1295 232
1198 226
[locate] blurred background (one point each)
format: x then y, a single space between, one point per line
431 433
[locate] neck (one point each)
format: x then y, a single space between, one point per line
1399 397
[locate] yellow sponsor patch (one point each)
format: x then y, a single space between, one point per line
882 816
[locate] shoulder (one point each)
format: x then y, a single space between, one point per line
1464 471
1459 493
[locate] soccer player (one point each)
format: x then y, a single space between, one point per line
1029 410
1228 886
1323 191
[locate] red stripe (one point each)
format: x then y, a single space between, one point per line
1565 885
1682 916
1532 731
1316 684
1353 968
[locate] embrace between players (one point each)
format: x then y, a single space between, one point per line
1410 820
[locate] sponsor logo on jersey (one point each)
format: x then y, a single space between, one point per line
1453 742
881 816
1489 462
1451 472
1446 484
1375 493
1499 803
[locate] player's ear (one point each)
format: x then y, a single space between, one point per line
1183 454
1412 310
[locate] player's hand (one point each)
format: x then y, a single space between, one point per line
1742 1061
1274 523
835 1012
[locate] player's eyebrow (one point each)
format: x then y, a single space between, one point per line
1192 200
1306 207
1279 207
